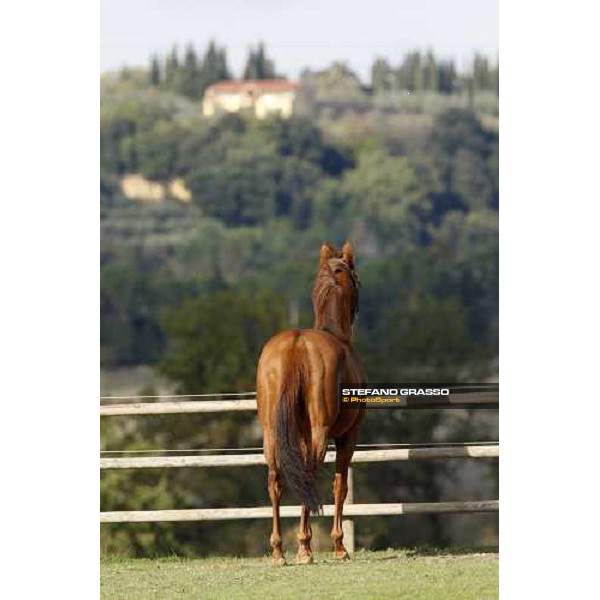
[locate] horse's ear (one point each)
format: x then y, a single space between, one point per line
327 252
348 254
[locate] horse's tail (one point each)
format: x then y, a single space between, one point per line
292 425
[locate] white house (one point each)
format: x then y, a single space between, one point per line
263 97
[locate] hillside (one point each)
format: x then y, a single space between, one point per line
192 290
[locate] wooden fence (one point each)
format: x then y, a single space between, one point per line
450 451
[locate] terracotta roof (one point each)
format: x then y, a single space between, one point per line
260 85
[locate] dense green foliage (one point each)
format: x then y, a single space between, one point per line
425 73
189 75
258 65
234 327
196 289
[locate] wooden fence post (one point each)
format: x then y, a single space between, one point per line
348 524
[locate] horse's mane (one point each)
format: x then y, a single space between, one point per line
327 291
324 283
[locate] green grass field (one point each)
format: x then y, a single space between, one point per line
398 574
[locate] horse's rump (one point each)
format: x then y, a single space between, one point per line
293 449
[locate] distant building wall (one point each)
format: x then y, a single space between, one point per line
262 97
282 102
137 187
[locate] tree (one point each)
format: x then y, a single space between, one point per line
465 247
410 74
459 128
495 77
389 202
430 73
258 66
381 76
215 341
246 173
158 150
171 69
472 180
189 78
130 306
155 75
192 76
482 80
242 190
461 150
214 67
446 77
300 137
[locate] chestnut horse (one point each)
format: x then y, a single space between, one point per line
296 386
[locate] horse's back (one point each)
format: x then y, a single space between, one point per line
324 361
322 351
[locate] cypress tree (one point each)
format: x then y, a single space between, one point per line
381 76
190 84
171 69
213 68
418 73
222 70
446 77
481 75
430 73
410 75
154 71
258 66
495 74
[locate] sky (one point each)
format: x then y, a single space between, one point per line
299 33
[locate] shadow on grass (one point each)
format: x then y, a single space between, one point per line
451 551
424 551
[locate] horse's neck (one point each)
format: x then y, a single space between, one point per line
334 320
337 332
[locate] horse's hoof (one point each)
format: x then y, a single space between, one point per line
341 555
279 562
304 559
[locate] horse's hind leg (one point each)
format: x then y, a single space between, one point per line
275 491
318 447
344 451
304 555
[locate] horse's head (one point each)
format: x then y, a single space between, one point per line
335 294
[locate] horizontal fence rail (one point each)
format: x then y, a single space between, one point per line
178 407
266 512
478 400
246 401
360 456
219 395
